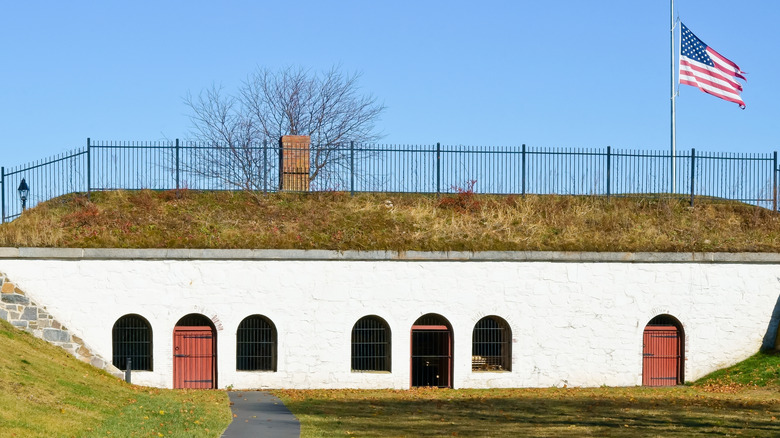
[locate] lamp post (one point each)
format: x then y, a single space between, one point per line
24 190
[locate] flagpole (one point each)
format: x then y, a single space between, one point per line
674 116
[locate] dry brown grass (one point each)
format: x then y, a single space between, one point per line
548 412
188 219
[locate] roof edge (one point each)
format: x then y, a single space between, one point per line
431 256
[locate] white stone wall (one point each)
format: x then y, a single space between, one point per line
575 323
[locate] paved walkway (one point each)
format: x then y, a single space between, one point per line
260 414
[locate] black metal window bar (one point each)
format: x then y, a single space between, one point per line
132 338
665 320
195 320
491 346
371 344
431 352
256 344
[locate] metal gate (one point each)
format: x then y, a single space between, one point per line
431 356
661 356
194 361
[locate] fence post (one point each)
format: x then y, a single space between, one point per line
177 164
265 166
128 367
522 176
609 167
693 171
438 168
89 168
352 168
2 191
774 182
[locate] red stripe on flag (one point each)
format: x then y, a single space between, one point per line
722 96
735 86
735 71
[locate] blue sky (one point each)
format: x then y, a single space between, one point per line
553 73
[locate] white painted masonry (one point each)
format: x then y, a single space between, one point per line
576 318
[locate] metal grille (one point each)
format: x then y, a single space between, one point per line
132 338
662 352
194 319
431 358
256 344
431 352
431 319
490 346
664 320
371 345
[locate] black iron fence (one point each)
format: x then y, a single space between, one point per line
350 167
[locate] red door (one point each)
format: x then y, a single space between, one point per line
193 357
661 356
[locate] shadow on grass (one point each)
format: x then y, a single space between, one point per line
554 414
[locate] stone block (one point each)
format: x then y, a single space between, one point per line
97 362
13 315
4 314
78 340
30 314
20 324
15 299
8 288
56 325
83 351
54 335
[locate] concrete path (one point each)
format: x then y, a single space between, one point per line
260 414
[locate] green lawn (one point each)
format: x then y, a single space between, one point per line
621 412
44 392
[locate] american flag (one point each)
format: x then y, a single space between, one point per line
708 70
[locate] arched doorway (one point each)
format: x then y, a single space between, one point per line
663 352
431 361
195 353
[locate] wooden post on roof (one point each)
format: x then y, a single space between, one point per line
294 163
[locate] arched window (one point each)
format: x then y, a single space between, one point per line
132 339
491 346
256 344
371 344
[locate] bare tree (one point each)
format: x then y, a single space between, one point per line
326 106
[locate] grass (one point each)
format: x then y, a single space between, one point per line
337 221
760 370
575 412
44 392
740 400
